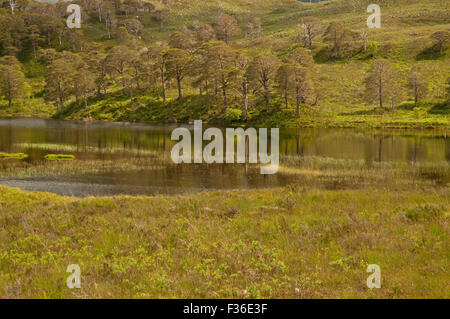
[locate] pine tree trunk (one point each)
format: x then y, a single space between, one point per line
416 96
266 96
9 91
286 101
163 84
246 106
310 40
380 92
180 94
224 94
60 97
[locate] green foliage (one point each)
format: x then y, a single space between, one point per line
121 58
419 112
233 115
59 157
14 156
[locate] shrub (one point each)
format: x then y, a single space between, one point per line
233 115
419 112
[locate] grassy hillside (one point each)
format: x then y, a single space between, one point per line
313 238
404 40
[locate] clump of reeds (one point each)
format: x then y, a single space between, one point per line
59 157
14 156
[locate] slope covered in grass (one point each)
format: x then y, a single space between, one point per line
404 40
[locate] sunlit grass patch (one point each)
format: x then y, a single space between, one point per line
13 156
59 157
43 167
83 148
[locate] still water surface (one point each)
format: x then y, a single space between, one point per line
123 142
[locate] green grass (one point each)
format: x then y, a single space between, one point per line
59 157
278 243
32 107
151 110
302 241
404 40
13 156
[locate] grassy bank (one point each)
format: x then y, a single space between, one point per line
145 109
33 107
211 110
405 40
270 243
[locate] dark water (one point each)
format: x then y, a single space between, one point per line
123 142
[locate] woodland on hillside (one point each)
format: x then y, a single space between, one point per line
137 48
93 201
